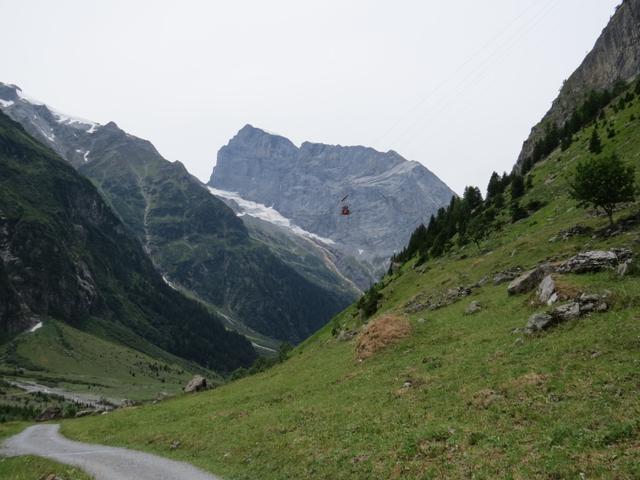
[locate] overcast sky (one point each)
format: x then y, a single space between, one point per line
454 85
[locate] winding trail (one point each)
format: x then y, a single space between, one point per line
104 463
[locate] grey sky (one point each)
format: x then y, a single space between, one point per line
454 85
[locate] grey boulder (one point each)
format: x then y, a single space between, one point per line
529 279
196 384
474 307
595 260
538 322
547 290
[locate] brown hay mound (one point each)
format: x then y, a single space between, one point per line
380 333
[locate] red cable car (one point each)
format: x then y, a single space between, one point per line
345 208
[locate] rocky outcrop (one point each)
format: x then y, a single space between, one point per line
547 290
617 259
615 56
197 384
595 260
529 279
584 304
388 196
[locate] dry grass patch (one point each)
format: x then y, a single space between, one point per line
564 289
380 333
528 379
485 398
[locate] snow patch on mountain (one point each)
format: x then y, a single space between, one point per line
61 118
65 119
49 136
268 214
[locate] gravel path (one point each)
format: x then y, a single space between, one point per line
104 463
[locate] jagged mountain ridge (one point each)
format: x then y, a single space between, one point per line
193 238
615 56
388 195
67 256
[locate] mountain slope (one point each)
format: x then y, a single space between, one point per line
65 255
193 238
388 195
614 57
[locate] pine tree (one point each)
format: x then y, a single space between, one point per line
595 146
472 197
495 186
517 186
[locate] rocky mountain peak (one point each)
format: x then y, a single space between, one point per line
257 142
615 56
389 195
9 92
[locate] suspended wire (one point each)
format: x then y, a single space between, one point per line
454 74
444 103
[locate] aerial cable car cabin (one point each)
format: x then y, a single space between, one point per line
345 208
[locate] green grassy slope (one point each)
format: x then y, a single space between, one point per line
65 357
484 401
29 468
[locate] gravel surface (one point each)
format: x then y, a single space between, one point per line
104 463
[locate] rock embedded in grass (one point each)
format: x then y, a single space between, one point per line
196 384
538 322
575 308
529 279
506 276
595 260
547 290
474 307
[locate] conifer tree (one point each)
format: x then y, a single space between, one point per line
595 146
517 186
495 186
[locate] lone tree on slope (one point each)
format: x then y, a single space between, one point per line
595 146
603 182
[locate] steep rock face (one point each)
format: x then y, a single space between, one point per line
193 238
615 56
387 195
66 255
